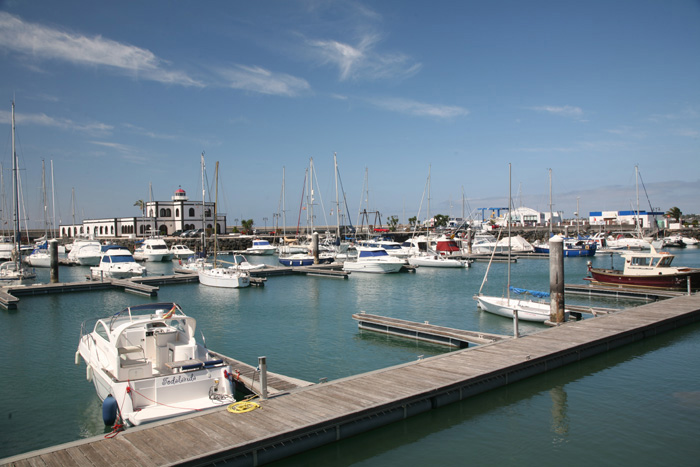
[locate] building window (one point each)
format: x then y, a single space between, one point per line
191 212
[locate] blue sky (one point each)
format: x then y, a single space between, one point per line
120 95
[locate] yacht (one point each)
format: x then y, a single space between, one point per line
146 365
85 252
117 262
153 249
180 251
375 260
261 247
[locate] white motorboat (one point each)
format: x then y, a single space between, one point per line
153 249
146 365
181 251
117 262
392 248
241 263
528 310
261 247
437 261
375 260
85 252
230 278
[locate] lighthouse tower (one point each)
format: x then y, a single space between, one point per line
179 195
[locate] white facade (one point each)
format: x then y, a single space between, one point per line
159 218
645 219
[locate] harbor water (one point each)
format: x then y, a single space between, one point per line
638 404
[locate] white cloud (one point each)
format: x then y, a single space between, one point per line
63 123
565 111
43 42
361 61
410 107
263 81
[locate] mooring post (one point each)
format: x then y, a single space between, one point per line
469 240
262 365
314 246
53 261
556 279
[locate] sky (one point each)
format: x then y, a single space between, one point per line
482 98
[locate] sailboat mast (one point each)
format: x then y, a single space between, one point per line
216 202
15 192
516 331
551 217
284 209
204 194
43 189
428 215
53 203
311 195
337 201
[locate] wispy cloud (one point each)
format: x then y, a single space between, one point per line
127 152
260 80
564 111
362 61
63 123
686 132
148 133
411 107
43 42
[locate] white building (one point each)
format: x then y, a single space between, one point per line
643 218
159 218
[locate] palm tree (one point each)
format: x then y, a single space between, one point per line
674 213
142 206
247 225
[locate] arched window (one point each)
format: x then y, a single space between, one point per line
163 230
191 212
177 213
162 212
207 213
111 230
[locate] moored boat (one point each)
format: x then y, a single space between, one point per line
153 249
146 365
648 269
180 251
117 262
374 260
261 247
85 252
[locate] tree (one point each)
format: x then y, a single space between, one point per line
412 221
441 220
393 221
142 206
247 225
674 213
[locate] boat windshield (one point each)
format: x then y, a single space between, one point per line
665 262
640 261
159 247
122 259
373 253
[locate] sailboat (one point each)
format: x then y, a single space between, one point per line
517 309
40 257
216 276
13 271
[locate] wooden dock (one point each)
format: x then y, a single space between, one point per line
424 331
309 417
634 293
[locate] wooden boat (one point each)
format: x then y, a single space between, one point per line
648 269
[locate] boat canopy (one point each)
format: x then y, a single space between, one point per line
373 253
534 293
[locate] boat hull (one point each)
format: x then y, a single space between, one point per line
430 262
678 281
527 309
372 267
303 261
224 278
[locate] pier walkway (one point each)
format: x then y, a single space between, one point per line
312 416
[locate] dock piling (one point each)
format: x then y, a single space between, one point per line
556 279
53 262
262 364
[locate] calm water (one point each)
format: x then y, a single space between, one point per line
637 404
